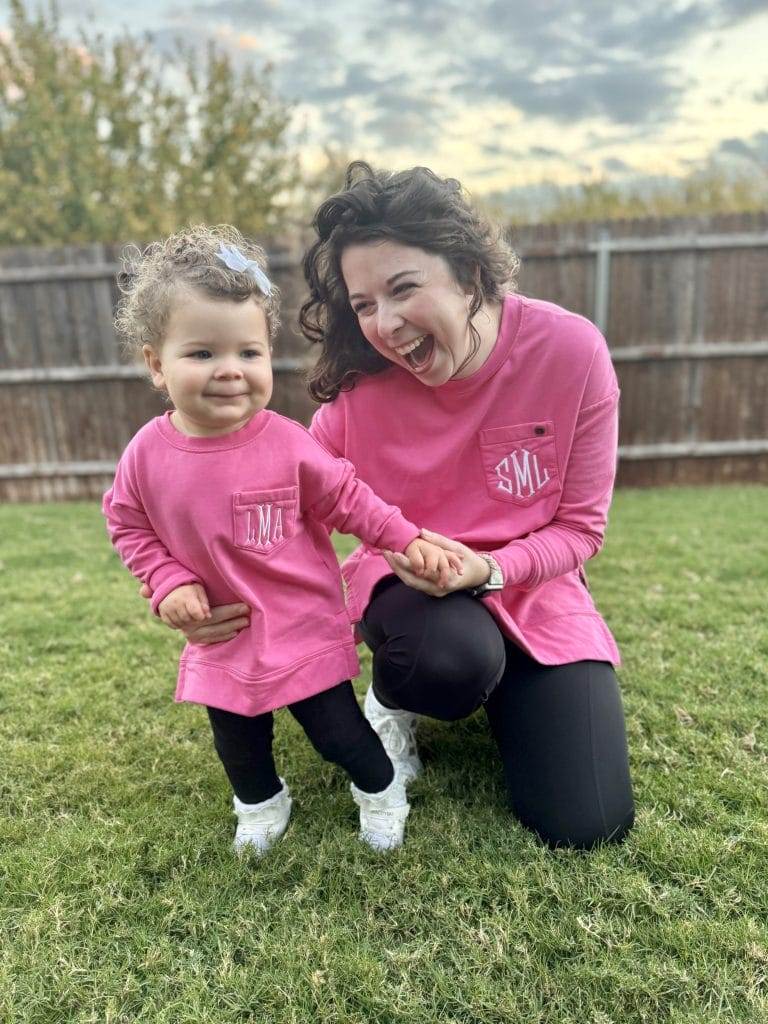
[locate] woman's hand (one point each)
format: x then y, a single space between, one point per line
225 623
476 569
431 562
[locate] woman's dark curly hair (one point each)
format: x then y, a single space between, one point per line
414 208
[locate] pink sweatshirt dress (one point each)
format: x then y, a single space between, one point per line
248 516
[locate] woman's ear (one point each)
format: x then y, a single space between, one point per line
154 365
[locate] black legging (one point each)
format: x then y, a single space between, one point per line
559 728
336 729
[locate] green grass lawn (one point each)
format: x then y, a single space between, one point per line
120 900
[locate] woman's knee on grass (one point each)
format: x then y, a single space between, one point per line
577 831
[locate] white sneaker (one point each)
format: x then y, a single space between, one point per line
259 826
382 815
397 731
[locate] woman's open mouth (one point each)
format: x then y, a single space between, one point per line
417 353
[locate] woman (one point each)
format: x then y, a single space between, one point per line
493 417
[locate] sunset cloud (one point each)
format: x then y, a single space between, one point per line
561 89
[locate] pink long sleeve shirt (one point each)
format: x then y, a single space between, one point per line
248 515
519 460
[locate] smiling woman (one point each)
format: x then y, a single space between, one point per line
493 418
411 247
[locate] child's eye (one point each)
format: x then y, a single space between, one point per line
251 353
202 353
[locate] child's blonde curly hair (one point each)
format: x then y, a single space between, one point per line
151 278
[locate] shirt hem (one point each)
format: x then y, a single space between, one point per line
212 684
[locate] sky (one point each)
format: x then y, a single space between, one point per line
499 93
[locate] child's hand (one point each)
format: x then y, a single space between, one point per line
184 606
433 563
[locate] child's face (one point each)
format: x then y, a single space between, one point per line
214 362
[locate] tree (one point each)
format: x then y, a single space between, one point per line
709 189
104 141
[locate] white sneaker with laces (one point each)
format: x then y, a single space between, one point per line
259 826
397 731
383 815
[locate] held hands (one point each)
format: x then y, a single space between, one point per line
461 569
185 606
430 561
474 571
223 622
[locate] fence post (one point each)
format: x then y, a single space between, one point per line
602 279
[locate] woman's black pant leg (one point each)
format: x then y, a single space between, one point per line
433 656
561 735
560 729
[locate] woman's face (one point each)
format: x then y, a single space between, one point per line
412 309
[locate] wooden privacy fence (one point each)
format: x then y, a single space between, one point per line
683 303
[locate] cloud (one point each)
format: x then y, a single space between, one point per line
495 149
574 62
613 165
620 92
247 14
733 11
407 120
430 19
754 148
314 62
358 81
652 31
562 33
497 83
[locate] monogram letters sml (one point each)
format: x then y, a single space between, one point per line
519 470
266 529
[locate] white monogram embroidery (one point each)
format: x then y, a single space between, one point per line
520 462
268 530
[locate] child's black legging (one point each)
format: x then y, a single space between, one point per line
559 728
335 726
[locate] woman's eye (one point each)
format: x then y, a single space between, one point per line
362 309
406 287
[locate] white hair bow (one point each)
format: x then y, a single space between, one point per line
231 256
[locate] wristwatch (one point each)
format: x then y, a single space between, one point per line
494 582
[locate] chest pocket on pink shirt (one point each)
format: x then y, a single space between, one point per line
520 462
264 521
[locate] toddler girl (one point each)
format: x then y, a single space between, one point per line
221 500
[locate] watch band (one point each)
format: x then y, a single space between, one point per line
494 582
